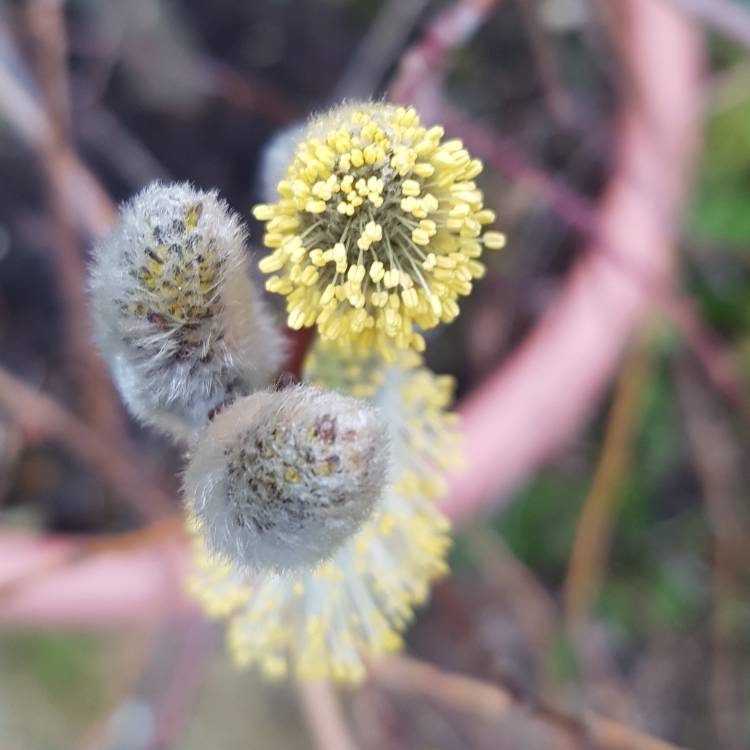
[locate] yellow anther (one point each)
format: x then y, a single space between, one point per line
315 206
420 237
410 188
262 212
494 240
409 296
390 278
309 275
271 263
377 271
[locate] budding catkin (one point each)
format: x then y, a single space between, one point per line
176 316
280 479
277 153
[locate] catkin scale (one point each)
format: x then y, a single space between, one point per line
175 314
280 480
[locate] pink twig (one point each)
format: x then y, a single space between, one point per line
323 714
728 17
424 62
20 105
102 590
543 395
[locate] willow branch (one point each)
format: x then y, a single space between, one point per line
322 711
594 531
41 418
406 676
547 389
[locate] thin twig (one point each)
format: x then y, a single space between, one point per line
47 26
20 106
424 62
379 48
324 717
173 706
502 572
592 319
588 557
40 418
100 405
406 676
719 463
728 17
556 96
115 143
249 93
159 704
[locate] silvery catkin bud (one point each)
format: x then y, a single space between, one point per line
176 316
280 479
275 158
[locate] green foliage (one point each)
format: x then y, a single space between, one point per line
55 685
563 659
539 525
721 210
462 556
61 662
664 596
650 580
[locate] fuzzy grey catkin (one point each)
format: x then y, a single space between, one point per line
280 480
176 315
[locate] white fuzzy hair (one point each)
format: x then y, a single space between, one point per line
173 370
281 479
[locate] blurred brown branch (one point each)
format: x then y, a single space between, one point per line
721 471
423 64
84 198
173 704
324 717
251 94
405 676
379 48
41 418
534 608
588 557
558 99
100 405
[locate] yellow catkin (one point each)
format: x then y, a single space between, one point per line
377 229
323 623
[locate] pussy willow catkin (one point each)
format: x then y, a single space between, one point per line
324 621
377 229
176 316
281 479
